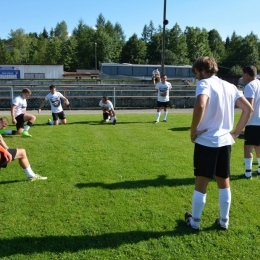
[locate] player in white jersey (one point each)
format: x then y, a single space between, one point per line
163 89
54 97
252 130
212 122
156 76
108 110
19 114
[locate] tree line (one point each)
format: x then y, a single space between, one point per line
77 51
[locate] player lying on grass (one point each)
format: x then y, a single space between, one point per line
3 124
7 155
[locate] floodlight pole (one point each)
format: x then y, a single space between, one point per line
165 22
96 56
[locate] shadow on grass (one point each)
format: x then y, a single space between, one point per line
9 182
176 129
62 244
159 182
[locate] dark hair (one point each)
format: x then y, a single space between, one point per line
105 97
163 75
26 90
52 87
250 70
206 63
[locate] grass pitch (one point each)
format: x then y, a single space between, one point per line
119 192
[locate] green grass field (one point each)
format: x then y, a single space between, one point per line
119 192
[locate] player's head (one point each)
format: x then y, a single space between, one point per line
52 89
205 67
26 93
104 99
3 122
156 68
163 78
250 70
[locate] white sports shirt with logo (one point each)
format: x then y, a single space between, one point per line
218 118
163 91
252 90
107 106
55 101
21 104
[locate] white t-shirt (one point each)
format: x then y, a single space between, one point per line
219 113
163 91
21 104
252 90
156 73
55 101
107 106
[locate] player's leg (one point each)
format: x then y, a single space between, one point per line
62 118
257 151
158 112
166 104
21 155
223 182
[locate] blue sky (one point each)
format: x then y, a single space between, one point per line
226 16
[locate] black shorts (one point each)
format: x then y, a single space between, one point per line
106 115
252 135
3 162
210 162
60 115
19 121
163 104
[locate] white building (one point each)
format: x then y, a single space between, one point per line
31 71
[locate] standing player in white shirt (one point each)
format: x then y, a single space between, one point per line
212 121
163 88
54 97
252 130
19 114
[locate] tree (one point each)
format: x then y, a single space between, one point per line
134 51
101 21
197 42
236 70
154 49
216 45
61 31
45 34
4 57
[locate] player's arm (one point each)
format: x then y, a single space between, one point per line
198 112
65 100
247 111
13 113
42 105
7 155
2 143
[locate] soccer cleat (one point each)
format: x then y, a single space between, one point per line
256 173
187 219
49 122
114 122
164 121
26 134
2 132
243 176
37 177
156 122
217 222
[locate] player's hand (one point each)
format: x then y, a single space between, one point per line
194 135
39 111
14 121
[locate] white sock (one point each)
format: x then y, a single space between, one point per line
51 122
29 172
198 203
112 119
165 115
224 206
158 116
26 128
248 164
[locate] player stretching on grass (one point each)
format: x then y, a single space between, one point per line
7 155
108 110
19 114
3 124
54 97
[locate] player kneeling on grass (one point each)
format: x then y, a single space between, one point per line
3 124
108 110
7 155
54 97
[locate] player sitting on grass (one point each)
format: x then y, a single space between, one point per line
3 124
7 155
108 110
